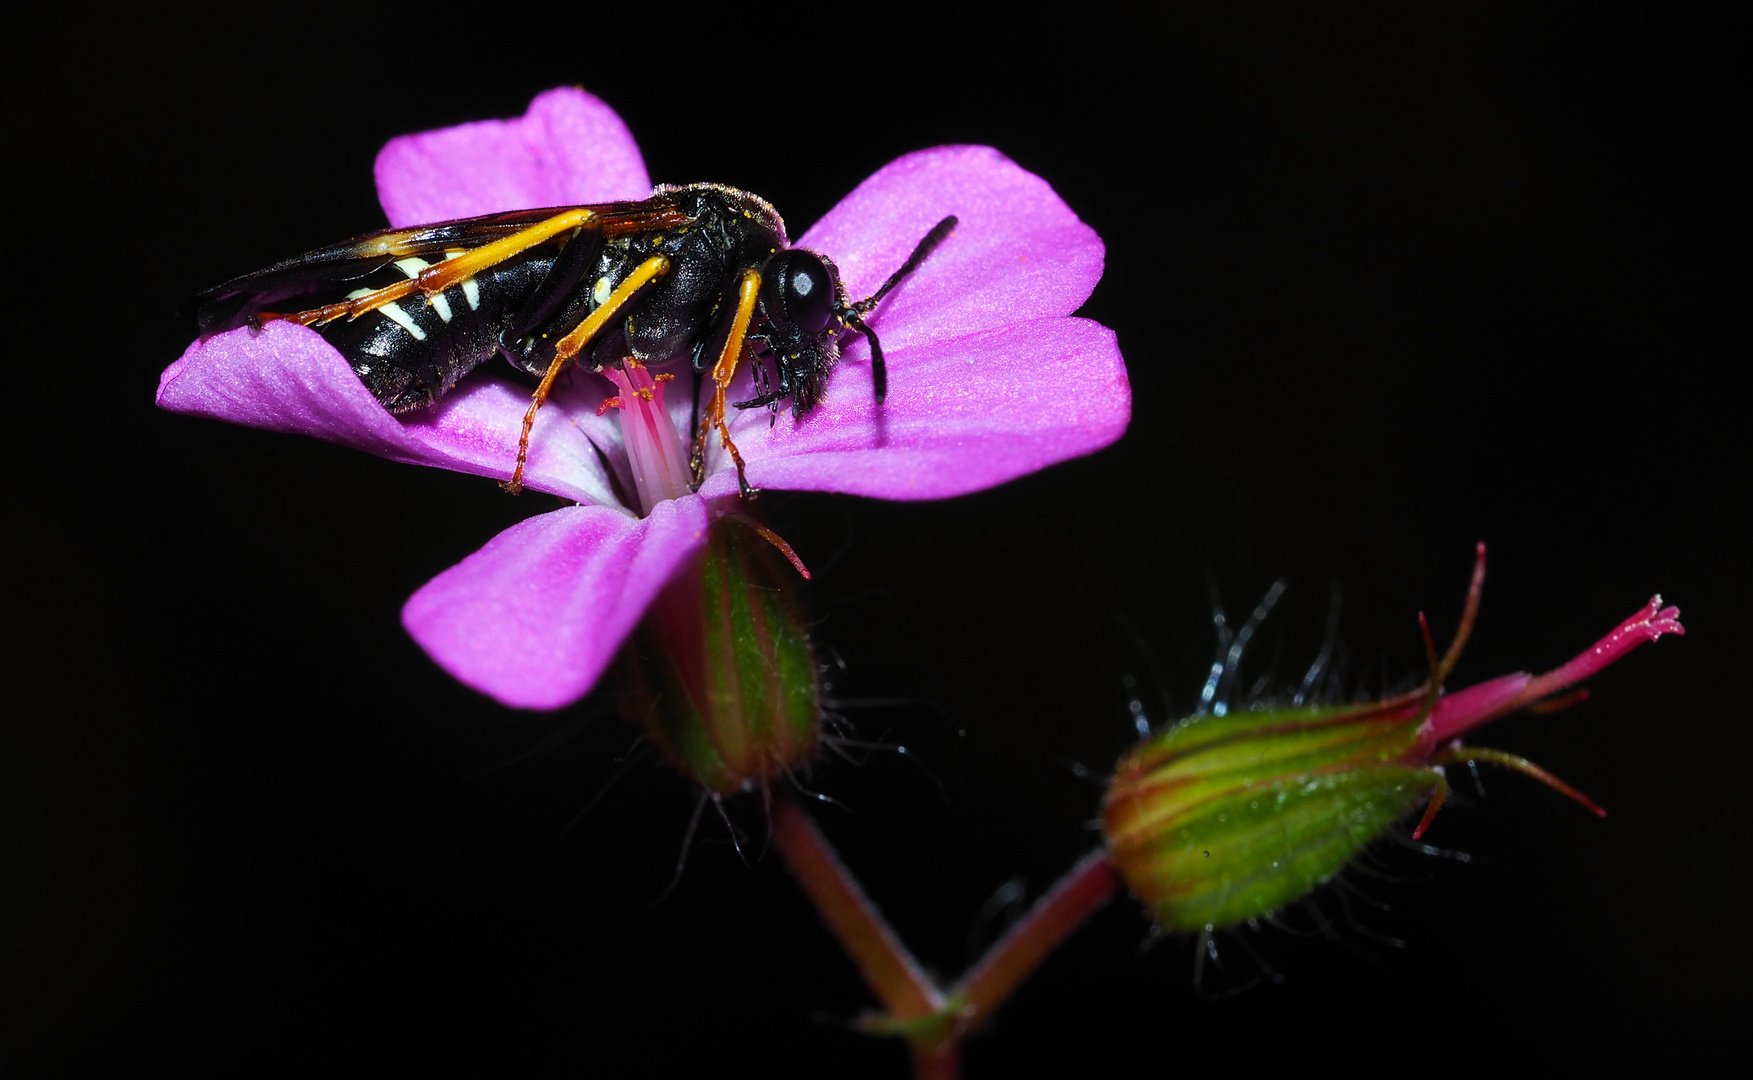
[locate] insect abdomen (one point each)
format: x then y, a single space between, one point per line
411 352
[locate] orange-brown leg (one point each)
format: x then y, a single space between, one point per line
748 290
572 344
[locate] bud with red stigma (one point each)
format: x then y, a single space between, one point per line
1221 818
721 674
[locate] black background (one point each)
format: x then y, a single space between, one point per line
1384 285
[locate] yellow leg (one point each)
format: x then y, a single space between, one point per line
441 276
748 291
573 343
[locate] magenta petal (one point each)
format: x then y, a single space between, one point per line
569 148
534 617
1018 253
961 416
285 377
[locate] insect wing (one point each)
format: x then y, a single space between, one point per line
319 276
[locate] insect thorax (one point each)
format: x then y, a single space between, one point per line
728 230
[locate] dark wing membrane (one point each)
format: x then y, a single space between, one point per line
318 277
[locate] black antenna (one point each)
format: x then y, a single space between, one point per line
879 371
926 246
853 315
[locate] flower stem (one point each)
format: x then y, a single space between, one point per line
935 1024
942 1061
1014 957
890 971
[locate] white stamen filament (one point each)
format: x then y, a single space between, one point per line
656 451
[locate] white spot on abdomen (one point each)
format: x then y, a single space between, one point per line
471 291
393 312
412 266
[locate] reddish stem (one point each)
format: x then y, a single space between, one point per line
1469 614
933 1023
942 1061
1520 764
1015 956
888 968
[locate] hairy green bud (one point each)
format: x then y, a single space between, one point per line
1222 818
721 673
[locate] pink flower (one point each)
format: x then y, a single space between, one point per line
989 379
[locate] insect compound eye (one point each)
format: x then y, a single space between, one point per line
808 291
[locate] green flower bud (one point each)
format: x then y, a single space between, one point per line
720 673
1225 817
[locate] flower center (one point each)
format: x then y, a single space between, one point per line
656 451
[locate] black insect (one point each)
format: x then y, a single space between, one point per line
702 271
